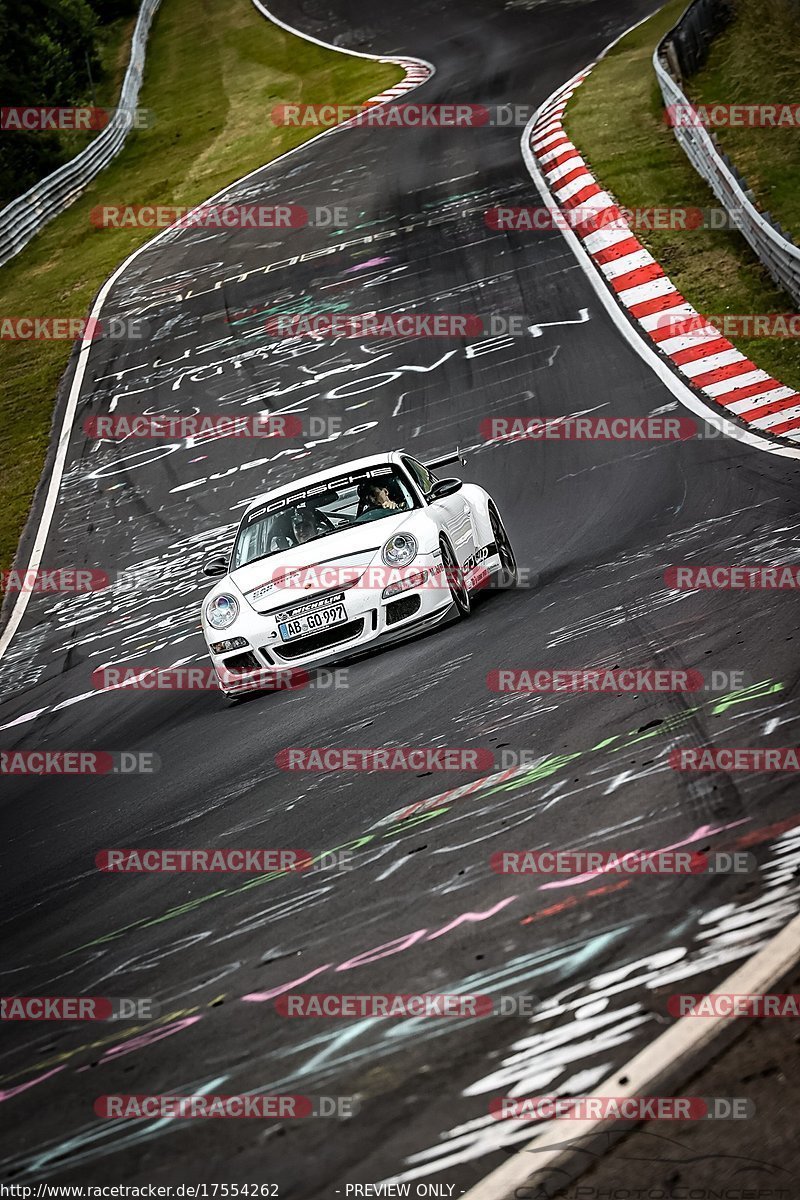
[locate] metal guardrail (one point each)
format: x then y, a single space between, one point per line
24 217
680 52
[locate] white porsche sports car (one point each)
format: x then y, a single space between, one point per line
347 560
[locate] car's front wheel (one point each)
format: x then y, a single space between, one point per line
455 579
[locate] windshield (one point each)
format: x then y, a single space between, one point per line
312 513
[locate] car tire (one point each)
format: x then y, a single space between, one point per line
508 559
455 580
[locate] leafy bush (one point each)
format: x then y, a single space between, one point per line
48 57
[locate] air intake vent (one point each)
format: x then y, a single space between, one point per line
398 610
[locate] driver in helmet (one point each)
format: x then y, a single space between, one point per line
305 524
376 494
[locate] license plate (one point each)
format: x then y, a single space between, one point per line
335 614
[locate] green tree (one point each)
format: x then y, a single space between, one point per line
47 49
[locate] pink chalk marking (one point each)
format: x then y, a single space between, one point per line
23 1087
149 1038
385 950
471 916
703 832
371 262
257 997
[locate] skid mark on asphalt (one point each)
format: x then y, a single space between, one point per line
589 1018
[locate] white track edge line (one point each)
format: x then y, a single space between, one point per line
59 461
635 337
658 1060
772 962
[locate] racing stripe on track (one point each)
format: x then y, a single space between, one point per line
706 359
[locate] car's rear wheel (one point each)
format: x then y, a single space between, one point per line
505 551
455 579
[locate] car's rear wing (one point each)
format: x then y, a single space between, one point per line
445 459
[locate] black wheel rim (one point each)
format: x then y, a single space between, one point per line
507 560
455 579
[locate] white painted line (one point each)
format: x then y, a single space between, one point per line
740 406
565 168
553 110
687 341
604 238
738 381
667 316
577 185
714 362
59 462
632 296
646 291
556 151
673 1051
777 418
628 262
594 205
553 131
548 129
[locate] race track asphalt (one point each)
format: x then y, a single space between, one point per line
594 525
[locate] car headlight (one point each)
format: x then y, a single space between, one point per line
222 611
229 644
403 585
399 550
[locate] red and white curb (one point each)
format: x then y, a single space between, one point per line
417 71
710 364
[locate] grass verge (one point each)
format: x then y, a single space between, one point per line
756 60
214 71
616 119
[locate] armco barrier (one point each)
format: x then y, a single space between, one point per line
24 217
681 51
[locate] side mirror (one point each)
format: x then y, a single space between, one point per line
216 565
444 487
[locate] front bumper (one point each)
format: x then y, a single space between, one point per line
372 622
